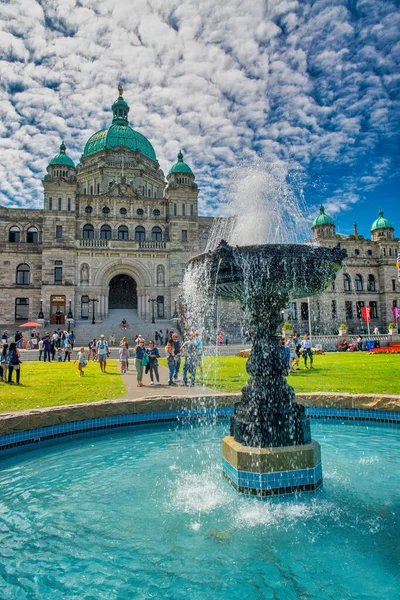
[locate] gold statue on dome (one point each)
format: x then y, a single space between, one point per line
121 91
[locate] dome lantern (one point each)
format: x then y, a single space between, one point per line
120 109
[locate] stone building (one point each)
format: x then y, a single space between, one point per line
115 233
111 230
368 278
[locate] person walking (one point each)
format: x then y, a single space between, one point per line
140 353
189 351
291 344
177 355
153 355
123 355
307 352
171 360
71 339
4 362
14 363
226 339
94 349
82 361
40 348
102 352
67 351
47 345
124 344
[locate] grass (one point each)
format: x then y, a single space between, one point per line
356 373
53 384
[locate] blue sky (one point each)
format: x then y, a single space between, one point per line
312 83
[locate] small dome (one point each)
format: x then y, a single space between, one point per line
62 158
322 218
381 222
180 166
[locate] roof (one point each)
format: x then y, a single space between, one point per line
62 158
381 222
119 135
322 218
180 166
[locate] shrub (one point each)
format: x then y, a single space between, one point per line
287 325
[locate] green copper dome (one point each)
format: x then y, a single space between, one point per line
62 158
180 166
322 218
119 134
381 222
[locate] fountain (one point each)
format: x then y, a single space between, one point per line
269 450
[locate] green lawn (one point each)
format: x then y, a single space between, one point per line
52 384
358 373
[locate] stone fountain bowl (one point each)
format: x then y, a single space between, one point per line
294 270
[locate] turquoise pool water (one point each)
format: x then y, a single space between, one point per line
145 513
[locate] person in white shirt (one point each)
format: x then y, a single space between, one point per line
40 349
307 352
102 352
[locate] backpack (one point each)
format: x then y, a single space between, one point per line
13 359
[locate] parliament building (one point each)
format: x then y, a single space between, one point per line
114 232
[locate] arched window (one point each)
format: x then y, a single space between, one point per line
140 233
88 232
14 234
32 235
358 283
123 232
390 252
371 283
156 234
105 232
346 282
23 275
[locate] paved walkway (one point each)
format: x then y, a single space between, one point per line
134 393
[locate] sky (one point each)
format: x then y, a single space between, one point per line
312 84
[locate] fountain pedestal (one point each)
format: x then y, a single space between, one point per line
272 471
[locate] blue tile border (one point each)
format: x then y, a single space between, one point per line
99 424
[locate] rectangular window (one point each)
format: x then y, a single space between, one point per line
21 309
184 235
374 309
304 311
175 210
393 285
69 203
59 203
183 210
334 309
50 203
349 309
57 274
58 231
359 306
191 210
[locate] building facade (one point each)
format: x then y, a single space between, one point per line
369 278
115 233
112 230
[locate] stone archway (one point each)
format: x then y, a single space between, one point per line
122 292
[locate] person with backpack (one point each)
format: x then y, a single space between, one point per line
14 363
102 352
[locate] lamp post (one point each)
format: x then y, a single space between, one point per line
41 315
93 318
69 315
152 300
175 315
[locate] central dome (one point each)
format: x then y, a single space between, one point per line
119 134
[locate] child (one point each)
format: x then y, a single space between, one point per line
82 362
59 354
123 355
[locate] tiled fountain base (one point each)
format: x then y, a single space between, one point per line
272 471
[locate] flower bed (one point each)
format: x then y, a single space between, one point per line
388 350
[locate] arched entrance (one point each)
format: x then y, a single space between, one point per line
122 292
